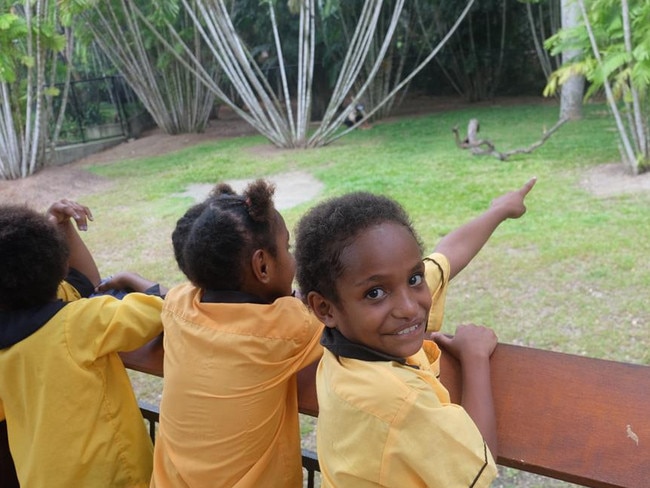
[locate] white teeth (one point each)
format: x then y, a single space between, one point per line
406 331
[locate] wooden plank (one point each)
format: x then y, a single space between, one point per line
578 419
307 401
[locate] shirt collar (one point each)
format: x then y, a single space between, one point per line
17 325
230 296
340 346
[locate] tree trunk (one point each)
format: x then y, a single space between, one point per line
573 89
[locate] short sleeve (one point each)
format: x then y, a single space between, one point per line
102 325
436 274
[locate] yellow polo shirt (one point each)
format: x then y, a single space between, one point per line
229 409
72 417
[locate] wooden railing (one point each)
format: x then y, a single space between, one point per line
577 419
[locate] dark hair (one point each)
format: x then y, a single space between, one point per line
34 258
184 224
223 237
182 229
328 228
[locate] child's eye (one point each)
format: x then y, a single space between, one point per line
375 293
416 279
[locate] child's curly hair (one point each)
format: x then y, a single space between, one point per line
34 258
328 228
227 232
182 229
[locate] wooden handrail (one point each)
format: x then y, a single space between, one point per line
578 419
148 359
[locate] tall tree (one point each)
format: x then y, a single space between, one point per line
615 37
544 19
33 44
284 116
574 87
177 101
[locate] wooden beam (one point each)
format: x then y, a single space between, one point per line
578 419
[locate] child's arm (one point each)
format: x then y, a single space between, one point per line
472 346
127 280
462 244
80 259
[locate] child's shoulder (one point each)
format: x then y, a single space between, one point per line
380 388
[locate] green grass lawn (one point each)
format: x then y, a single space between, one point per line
571 275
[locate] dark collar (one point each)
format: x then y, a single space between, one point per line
229 296
340 346
16 325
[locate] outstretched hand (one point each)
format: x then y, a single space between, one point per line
64 210
513 201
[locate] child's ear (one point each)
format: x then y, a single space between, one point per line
261 266
322 308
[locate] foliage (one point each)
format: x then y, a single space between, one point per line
544 19
280 109
35 53
12 29
615 39
172 95
489 52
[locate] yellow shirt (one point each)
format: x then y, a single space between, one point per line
387 424
72 417
384 424
229 410
67 292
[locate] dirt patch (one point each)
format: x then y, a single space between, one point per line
291 189
51 184
613 179
156 142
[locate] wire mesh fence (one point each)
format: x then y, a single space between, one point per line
100 108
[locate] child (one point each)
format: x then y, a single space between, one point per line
384 418
234 340
71 414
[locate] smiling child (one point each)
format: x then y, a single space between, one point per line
384 417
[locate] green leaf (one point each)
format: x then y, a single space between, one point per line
28 61
52 91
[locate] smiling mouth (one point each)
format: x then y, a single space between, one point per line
408 330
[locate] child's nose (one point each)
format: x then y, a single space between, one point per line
406 304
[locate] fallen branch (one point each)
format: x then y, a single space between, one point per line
480 147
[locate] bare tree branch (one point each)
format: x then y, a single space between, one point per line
480 147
